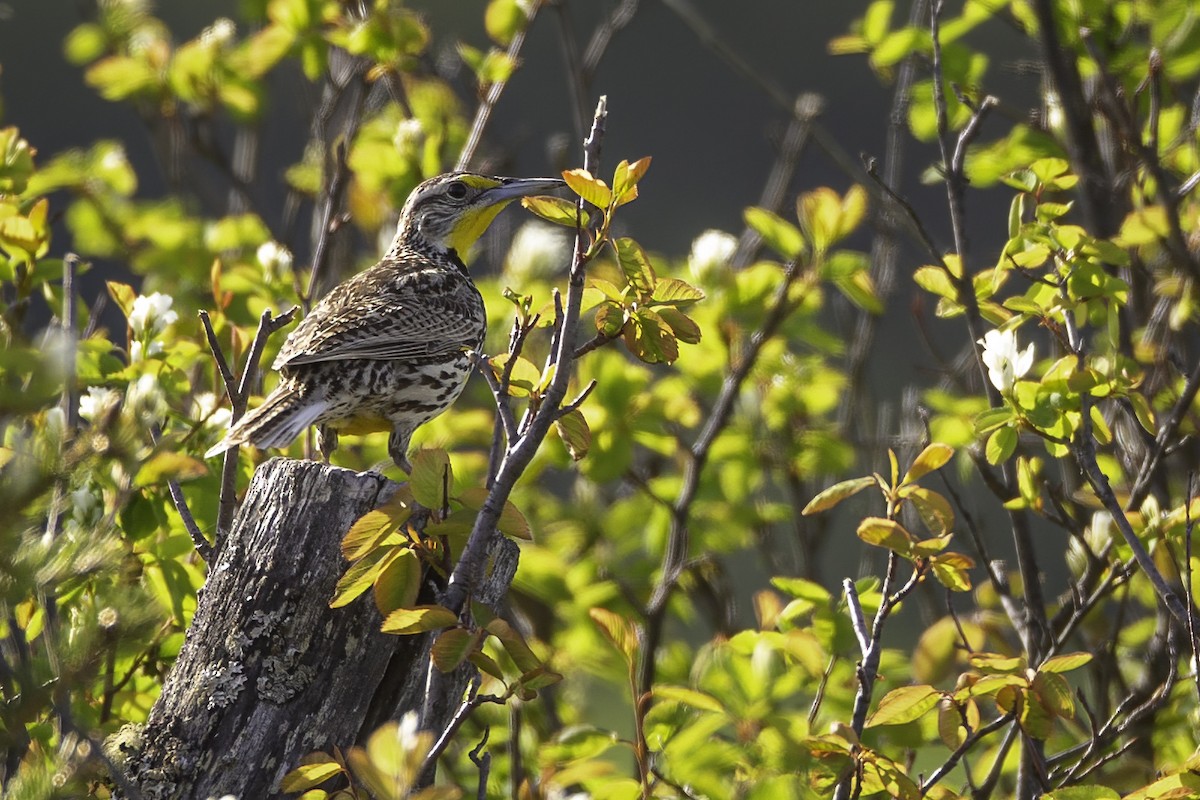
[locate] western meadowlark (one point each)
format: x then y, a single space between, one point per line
388 348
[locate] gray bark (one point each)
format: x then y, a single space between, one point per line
269 672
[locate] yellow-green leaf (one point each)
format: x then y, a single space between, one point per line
514 643
399 582
835 494
635 264
688 697
432 478
1001 444
169 465
904 705
951 571
419 619
885 533
558 210
780 235
123 295
452 647
932 458
314 770
371 529
591 189
618 630
573 430
1066 662
626 177
933 508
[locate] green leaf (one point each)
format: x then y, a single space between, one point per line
950 569
650 338
635 264
432 478
359 577
371 529
1055 694
169 465
452 647
314 770
802 588
514 644
1093 792
419 619
558 210
503 20
618 630
540 678
835 494
511 523
994 662
399 582
590 188
1001 444
780 235
626 178
932 458
524 377
903 705
933 508
573 430
674 292
683 327
688 697
885 533
123 295
1065 662
992 418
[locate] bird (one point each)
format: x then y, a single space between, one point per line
390 348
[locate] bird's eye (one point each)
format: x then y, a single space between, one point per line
457 190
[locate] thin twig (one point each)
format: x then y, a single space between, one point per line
484 113
329 225
952 761
239 396
1166 432
1189 526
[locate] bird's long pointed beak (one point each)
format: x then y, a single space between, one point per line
512 188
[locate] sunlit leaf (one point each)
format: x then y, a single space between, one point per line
835 494
419 619
904 704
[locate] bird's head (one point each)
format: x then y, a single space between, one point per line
451 211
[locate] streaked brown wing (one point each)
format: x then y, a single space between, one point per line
371 318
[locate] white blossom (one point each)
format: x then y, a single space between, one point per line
145 400
220 33
711 252
207 408
410 135
139 352
275 259
151 314
98 401
114 158
1005 362
407 731
538 251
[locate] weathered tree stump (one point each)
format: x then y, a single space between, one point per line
269 672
